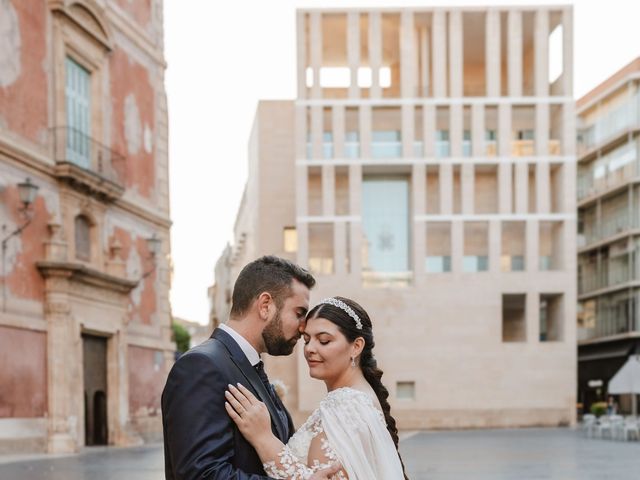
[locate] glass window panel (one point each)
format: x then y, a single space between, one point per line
385 213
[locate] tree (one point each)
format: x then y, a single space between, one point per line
181 336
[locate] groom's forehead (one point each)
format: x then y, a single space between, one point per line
299 294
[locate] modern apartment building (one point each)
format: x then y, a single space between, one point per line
85 330
427 170
608 231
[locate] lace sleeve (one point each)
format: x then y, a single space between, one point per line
289 466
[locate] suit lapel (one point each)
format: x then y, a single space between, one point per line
240 359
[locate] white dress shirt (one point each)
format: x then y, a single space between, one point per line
251 353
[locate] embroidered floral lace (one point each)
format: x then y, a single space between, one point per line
293 462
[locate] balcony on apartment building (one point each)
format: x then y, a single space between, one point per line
617 217
88 165
606 269
606 173
608 315
609 127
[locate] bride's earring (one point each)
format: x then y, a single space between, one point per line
353 362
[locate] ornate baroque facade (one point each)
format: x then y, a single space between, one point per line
85 337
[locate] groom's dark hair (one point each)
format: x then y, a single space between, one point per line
267 274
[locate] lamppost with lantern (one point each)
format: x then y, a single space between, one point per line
27 192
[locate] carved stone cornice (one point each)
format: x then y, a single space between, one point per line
80 273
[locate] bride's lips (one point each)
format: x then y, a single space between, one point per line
313 362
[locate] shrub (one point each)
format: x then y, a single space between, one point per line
181 337
598 408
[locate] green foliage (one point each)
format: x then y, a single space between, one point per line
598 408
181 336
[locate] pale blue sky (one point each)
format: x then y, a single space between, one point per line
225 56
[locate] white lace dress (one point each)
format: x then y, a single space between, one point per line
345 428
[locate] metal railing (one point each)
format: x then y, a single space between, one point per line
611 272
75 147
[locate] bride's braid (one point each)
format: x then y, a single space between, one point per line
368 363
373 375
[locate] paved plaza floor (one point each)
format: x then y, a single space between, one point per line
528 454
524 454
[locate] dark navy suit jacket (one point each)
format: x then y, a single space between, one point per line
200 439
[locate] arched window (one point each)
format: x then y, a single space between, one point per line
83 238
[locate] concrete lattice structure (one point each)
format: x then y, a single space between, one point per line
608 235
427 170
85 337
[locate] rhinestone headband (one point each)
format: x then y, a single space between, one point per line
343 306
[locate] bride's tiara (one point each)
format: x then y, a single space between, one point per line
343 306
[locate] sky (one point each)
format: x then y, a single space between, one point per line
223 57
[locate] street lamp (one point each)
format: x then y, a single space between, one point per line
153 245
27 192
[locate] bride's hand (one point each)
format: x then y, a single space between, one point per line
249 414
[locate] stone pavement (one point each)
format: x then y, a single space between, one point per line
527 454
524 454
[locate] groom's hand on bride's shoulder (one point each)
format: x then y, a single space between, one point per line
326 473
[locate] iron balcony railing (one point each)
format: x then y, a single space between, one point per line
75 147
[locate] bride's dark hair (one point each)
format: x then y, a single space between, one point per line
368 364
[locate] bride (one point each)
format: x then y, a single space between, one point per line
352 427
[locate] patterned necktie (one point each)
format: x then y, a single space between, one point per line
274 396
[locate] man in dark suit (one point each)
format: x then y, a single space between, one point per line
269 303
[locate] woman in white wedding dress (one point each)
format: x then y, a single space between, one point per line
352 427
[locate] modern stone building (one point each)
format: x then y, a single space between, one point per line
85 339
608 231
427 169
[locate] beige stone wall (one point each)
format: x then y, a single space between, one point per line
441 331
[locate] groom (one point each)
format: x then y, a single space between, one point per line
269 304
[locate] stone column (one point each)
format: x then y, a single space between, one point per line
302 210
301 52
439 54
365 131
495 245
543 174
514 49
429 130
64 362
457 245
541 53
355 209
407 50
455 54
317 130
316 51
492 53
522 187
446 188
532 245
408 130
505 181
375 52
338 122
478 148
121 429
353 51
340 247
425 55
328 190
567 51
532 314
418 190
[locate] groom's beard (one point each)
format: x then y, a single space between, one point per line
275 340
